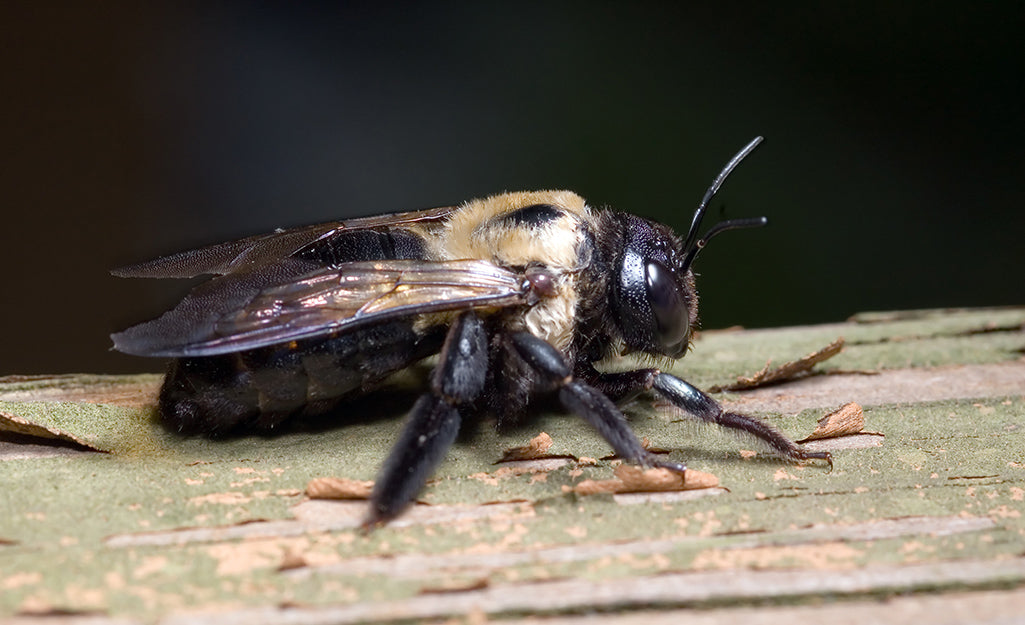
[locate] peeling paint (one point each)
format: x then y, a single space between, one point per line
223 520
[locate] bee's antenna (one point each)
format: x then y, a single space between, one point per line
692 244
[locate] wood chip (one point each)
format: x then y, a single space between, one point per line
633 479
647 480
844 421
338 488
597 487
536 448
18 426
784 373
292 560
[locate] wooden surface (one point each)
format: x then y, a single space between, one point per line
108 518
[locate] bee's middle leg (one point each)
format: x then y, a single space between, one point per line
434 421
586 401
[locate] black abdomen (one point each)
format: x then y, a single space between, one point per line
260 388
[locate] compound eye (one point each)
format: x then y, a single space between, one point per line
667 304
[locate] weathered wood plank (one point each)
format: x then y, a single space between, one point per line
163 529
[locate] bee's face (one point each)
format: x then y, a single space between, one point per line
654 296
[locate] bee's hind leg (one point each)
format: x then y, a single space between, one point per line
433 423
586 401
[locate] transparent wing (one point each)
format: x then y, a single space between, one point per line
323 302
224 258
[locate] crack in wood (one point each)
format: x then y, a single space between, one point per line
733 587
477 564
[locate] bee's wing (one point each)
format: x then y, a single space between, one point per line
322 302
224 258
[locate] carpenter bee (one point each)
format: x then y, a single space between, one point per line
520 295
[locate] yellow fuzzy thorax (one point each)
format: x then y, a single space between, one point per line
477 230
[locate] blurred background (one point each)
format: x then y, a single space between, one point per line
892 172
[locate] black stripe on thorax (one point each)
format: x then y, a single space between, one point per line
533 216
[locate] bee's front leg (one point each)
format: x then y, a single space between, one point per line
693 400
434 421
687 397
586 401
619 386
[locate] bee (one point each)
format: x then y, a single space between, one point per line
521 296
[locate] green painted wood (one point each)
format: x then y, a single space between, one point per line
155 527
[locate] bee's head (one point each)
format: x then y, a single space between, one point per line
654 295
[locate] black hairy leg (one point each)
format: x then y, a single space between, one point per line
618 386
434 421
688 397
586 401
693 400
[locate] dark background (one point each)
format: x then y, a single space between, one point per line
892 172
